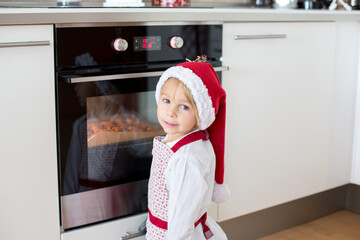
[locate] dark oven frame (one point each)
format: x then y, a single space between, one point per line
113 66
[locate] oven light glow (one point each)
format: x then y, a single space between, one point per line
147 43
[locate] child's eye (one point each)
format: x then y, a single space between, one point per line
165 100
184 107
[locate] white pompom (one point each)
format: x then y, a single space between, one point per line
221 193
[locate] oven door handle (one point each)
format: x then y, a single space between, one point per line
124 76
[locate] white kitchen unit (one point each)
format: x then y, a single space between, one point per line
111 230
290 111
354 30
28 165
290 102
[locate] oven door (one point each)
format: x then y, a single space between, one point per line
106 125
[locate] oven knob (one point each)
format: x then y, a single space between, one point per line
176 42
120 44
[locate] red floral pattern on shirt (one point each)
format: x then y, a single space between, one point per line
158 196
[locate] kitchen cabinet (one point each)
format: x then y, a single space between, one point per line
111 230
290 104
28 164
289 126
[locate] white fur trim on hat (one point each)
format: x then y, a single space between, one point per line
199 91
221 193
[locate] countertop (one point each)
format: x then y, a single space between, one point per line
18 16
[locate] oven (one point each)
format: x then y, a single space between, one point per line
106 111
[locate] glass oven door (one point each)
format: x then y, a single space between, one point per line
106 125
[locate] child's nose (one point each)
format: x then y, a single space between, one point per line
171 111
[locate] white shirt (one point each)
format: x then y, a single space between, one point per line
189 180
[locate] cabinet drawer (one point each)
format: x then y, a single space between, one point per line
111 230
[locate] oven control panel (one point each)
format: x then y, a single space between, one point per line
137 44
147 43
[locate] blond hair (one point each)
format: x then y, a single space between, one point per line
172 84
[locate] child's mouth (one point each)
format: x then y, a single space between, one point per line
170 124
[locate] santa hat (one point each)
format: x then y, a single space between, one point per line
210 100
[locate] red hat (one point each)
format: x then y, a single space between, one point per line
210 100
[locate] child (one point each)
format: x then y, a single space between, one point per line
190 100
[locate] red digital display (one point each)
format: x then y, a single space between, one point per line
147 43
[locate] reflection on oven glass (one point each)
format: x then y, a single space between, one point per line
112 143
110 128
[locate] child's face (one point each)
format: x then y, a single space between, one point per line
175 113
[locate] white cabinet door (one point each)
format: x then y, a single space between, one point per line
28 166
111 230
280 134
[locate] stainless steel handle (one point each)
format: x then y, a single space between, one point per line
142 231
132 235
125 76
266 36
24 44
